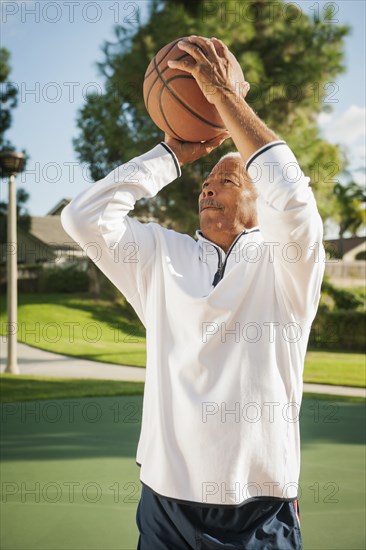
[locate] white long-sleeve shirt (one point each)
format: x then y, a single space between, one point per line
223 388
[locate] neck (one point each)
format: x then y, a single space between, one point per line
222 240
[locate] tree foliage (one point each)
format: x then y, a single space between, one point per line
290 60
342 299
351 198
8 100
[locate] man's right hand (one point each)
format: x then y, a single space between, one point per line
187 151
214 67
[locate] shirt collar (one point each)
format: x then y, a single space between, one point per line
207 246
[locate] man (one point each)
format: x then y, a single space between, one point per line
227 317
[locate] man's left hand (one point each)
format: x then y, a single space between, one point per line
187 151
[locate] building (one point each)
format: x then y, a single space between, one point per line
347 249
45 245
46 242
347 268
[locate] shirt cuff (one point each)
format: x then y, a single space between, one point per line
262 150
176 162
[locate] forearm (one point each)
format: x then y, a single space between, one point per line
98 220
247 130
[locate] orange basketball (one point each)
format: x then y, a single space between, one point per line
175 102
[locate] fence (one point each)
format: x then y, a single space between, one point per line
344 273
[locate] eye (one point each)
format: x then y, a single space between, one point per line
227 180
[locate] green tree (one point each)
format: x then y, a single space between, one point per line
8 101
290 60
351 215
8 98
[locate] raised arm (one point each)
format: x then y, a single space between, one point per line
287 211
97 219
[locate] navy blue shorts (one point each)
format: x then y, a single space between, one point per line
165 524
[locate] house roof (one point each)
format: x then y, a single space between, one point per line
347 245
57 209
48 230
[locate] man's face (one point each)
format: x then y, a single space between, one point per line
227 200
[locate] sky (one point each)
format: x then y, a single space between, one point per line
54 48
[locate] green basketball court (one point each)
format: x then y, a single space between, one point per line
69 478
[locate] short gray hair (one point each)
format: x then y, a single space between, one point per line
232 154
250 187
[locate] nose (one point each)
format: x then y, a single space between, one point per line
207 191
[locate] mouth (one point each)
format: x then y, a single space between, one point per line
210 204
209 208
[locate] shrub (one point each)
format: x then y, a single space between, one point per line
339 330
343 299
69 278
332 251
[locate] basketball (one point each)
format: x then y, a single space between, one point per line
175 102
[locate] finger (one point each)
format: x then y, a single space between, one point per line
212 144
205 44
194 50
221 137
219 42
183 65
217 140
220 47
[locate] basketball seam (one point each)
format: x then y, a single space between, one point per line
183 104
164 56
157 77
166 121
165 85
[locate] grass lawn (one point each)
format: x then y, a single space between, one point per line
80 327
343 369
96 330
32 388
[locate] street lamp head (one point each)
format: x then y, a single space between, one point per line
11 163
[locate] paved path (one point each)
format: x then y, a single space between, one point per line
335 390
44 363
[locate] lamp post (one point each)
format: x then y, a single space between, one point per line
11 163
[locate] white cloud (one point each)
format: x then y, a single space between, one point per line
359 176
347 128
324 119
